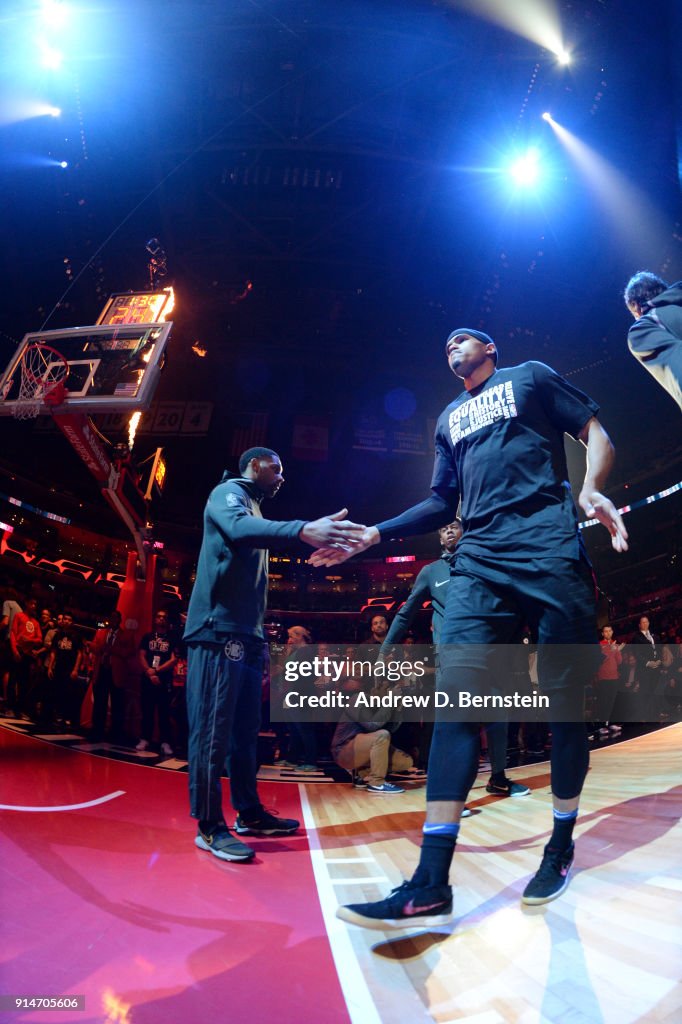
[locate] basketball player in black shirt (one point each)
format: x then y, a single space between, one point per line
500 450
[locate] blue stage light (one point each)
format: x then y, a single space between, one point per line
525 169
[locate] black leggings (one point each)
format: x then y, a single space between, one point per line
453 761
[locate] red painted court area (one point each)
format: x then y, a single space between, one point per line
115 902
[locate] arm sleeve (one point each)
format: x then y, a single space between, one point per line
659 348
421 592
649 339
230 511
567 407
439 509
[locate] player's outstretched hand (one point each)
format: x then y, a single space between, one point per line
332 530
597 506
334 555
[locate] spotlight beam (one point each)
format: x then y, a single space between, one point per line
634 219
14 110
537 20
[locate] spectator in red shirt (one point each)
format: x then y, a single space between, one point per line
25 639
607 679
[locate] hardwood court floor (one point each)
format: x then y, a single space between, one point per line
104 894
607 952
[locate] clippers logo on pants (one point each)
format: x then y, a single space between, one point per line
234 649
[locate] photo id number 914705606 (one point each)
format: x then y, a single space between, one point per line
34 1002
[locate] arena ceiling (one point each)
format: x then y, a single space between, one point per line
329 182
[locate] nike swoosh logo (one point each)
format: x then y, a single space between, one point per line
409 910
442 583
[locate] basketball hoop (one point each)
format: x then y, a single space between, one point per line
43 372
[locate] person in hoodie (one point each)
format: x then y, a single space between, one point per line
224 637
655 339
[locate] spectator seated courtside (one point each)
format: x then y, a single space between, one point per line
362 745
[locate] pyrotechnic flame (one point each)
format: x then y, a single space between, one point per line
117 1012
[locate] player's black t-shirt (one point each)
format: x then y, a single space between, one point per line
501 446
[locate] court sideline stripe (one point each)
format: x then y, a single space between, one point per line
359 1002
65 807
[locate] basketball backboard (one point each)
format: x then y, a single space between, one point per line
111 368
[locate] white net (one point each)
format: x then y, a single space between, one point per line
42 368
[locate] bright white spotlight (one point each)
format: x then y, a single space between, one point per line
50 58
645 235
64 164
563 57
547 116
53 14
525 169
53 112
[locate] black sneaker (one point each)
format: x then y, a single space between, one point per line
359 782
265 824
222 844
408 906
551 877
507 788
